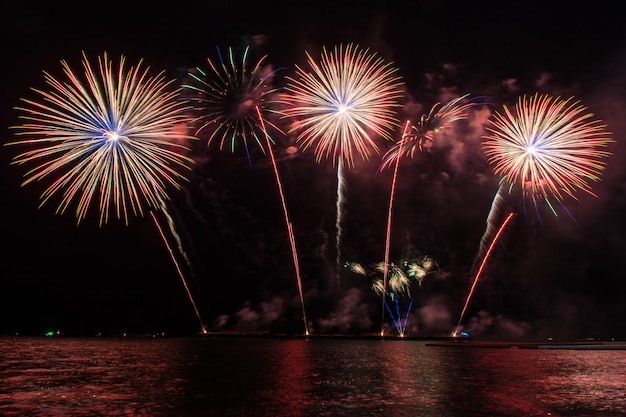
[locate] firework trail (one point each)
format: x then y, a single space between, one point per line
493 220
292 239
341 202
230 103
112 136
439 119
495 239
399 322
172 226
182 251
550 147
388 235
178 270
339 106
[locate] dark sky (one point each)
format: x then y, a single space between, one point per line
551 278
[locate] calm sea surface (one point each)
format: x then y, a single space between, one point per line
249 377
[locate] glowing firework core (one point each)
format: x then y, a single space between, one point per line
112 136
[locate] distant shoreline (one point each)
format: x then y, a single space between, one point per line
421 337
545 345
431 340
446 341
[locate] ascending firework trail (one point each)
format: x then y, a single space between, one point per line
388 235
487 254
292 238
178 270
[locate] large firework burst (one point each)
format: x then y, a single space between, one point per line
117 135
549 146
343 103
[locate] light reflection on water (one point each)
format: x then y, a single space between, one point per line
291 378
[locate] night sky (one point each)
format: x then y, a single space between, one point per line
550 276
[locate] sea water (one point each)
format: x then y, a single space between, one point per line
282 377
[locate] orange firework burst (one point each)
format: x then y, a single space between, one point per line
114 135
343 103
550 146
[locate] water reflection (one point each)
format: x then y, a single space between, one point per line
299 378
63 377
289 382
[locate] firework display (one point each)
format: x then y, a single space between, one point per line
343 103
423 133
231 102
393 282
113 139
416 136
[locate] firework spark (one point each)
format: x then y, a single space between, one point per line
226 97
344 103
398 281
340 106
114 135
551 147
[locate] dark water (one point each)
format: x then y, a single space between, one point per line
283 377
